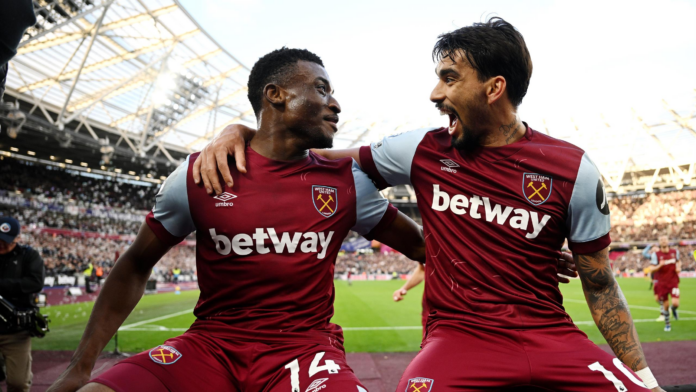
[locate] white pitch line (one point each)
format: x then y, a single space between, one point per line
655 308
639 321
129 326
164 329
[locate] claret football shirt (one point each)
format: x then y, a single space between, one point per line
266 249
494 221
667 274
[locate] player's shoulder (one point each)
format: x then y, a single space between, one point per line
330 164
337 168
567 158
412 137
542 140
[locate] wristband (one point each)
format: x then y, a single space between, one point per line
647 377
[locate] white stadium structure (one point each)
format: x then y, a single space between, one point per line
140 81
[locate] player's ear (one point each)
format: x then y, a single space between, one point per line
274 94
495 88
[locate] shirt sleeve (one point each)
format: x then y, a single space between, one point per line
171 219
646 251
653 259
588 213
372 210
388 162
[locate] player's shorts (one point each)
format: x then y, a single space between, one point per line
559 359
201 362
663 291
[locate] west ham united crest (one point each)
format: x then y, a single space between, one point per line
325 199
165 355
419 384
536 187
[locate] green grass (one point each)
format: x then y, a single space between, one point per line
364 304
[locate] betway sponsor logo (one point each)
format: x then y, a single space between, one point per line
244 244
459 204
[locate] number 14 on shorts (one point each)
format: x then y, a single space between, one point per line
294 366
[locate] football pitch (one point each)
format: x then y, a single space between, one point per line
371 320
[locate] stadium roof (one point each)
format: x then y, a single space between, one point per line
145 72
141 69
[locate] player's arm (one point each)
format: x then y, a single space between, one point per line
404 235
387 162
588 223
168 223
654 263
212 161
122 290
609 308
417 276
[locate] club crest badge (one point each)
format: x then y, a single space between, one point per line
5 228
165 355
419 384
536 187
325 199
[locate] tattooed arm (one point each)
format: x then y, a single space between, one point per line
609 308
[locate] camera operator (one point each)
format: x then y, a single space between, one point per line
21 276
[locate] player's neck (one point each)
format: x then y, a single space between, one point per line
506 130
278 143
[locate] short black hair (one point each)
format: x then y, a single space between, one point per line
275 67
492 48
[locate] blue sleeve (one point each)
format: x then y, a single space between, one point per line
653 259
588 219
370 204
393 156
646 251
172 205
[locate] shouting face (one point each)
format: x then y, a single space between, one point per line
311 111
460 95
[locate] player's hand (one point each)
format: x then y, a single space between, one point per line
231 141
71 380
399 294
658 389
566 266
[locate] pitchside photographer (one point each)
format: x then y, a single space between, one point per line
21 277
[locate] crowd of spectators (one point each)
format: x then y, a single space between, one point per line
67 255
60 186
39 218
633 261
373 263
646 217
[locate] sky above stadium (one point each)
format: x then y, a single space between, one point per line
592 60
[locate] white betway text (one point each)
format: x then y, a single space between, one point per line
245 244
458 204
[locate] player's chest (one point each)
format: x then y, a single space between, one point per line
511 194
283 204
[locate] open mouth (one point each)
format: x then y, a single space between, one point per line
453 119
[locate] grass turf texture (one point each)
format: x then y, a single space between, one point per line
362 305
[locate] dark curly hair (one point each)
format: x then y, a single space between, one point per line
492 48
275 67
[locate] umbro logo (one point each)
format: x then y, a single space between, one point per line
224 198
450 165
316 385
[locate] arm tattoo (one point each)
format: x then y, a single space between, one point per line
508 130
609 308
